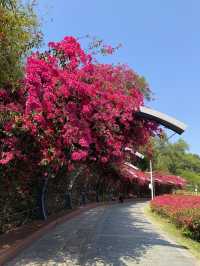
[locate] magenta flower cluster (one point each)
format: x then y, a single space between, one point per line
70 108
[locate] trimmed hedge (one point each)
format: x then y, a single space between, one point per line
181 210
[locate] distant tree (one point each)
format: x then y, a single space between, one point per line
19 33
175 158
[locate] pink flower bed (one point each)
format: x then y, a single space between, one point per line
182 210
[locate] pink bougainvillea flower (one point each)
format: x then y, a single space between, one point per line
79 155
84 143
8 126
104 159
86 109
6 157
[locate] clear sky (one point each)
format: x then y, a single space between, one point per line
161 41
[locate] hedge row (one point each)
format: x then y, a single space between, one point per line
181 210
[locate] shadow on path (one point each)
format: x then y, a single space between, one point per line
118 235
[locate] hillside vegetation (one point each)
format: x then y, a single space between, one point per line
176 159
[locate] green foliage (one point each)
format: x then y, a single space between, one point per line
145 88
176 159
192 177
19 33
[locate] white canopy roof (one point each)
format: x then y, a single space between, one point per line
162 119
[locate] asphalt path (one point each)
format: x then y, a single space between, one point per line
116 235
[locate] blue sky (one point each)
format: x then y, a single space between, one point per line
161 41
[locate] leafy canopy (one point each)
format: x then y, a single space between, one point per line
175 158
19 33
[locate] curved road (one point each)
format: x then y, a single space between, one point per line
116 235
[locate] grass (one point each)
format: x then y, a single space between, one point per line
173 232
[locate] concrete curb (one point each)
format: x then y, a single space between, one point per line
19 247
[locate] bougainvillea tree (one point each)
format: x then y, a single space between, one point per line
143 178
71 109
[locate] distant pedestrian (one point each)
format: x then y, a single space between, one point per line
121 200
68 201
83 198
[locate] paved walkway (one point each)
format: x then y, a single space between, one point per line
117 235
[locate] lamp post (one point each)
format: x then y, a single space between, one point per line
141 156
152 181
196 190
